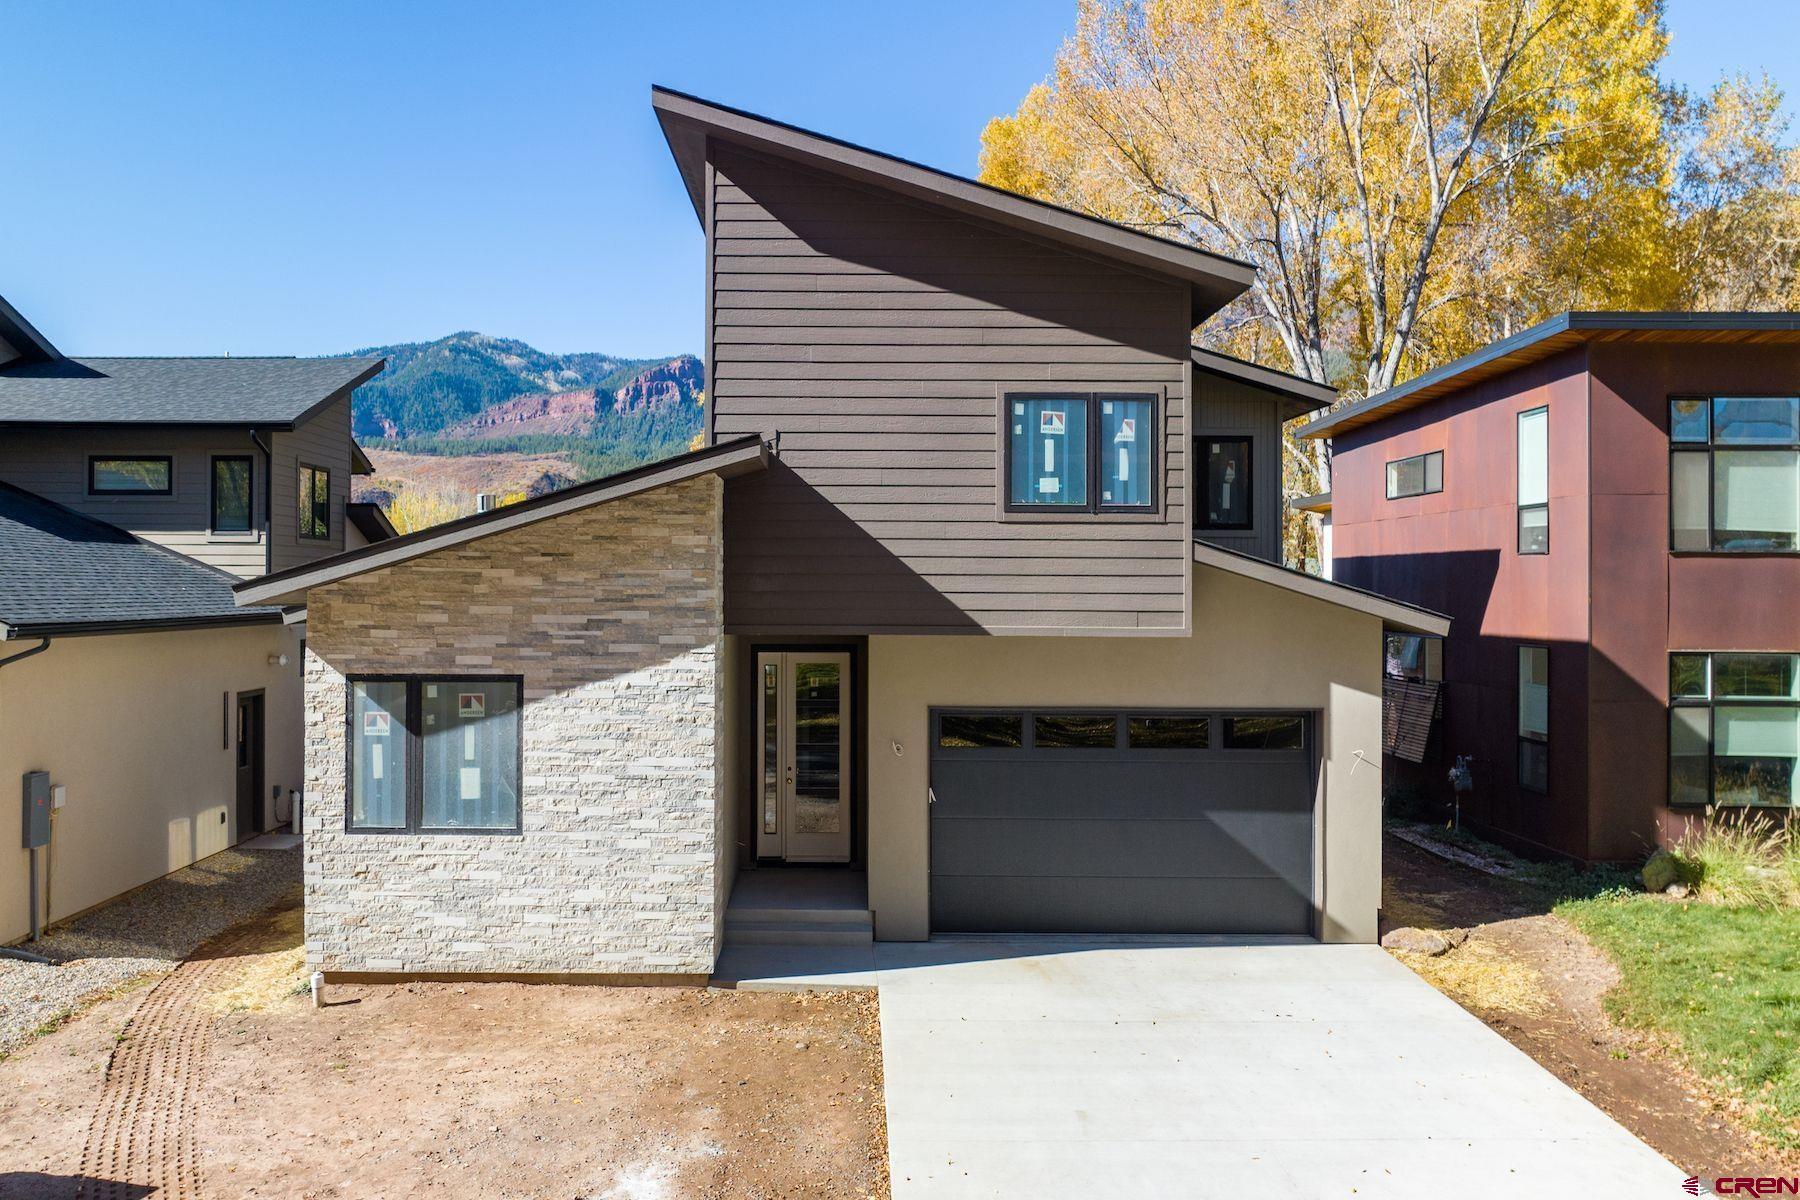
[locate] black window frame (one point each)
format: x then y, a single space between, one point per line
212 491
1711 703
1519 507
1423 475
306 506
1093 506
167 460
1523 737
1710 449
1202 452
412 728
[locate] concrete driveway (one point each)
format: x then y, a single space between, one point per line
1080 1069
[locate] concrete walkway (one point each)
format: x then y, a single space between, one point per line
1034 1069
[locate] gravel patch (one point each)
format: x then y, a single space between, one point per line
138 937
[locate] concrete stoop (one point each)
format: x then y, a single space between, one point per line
798 931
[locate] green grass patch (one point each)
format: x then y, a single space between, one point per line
1724 981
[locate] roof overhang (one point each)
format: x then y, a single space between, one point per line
371 520
359 460
20 334
62 629
1319 502
1297 396
738 456
1393 613
1559 333
688 121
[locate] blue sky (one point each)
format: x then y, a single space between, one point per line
201 178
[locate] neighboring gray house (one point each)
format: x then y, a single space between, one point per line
972 598
133 493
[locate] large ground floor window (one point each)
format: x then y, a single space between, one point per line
1734 729
434 755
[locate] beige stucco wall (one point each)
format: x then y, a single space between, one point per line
134 724
612 616
1254 646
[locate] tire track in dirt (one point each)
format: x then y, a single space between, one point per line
141 1140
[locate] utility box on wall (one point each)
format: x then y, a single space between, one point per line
37 809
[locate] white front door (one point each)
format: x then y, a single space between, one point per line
803 746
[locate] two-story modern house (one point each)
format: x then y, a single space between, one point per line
970 609
151 719
1608 505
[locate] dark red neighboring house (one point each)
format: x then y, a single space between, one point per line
1608 507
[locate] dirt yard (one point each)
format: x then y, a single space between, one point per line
1534 979
242 1089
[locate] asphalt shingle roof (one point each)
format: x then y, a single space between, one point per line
174 391
60 570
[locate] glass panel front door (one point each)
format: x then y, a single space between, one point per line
803 721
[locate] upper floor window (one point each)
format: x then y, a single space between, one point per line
1222 465
1734 474
231 503
1734 729
147 476
1081 452
1419 475
1534 481
314 502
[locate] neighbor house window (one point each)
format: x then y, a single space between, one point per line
1222 465
1734 729
152 476
314 499
1534 718
1734 474
231 504
1080 452
434 755
1414 656
1534 481
1419 475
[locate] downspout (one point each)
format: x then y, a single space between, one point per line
13 951
43 645
268 503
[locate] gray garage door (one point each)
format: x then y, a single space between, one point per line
1071 821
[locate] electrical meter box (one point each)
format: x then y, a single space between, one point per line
37 809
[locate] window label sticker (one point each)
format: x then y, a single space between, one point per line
1127 432
1048 485
376 723
375 762
469 742
471 783
1050 422
471 704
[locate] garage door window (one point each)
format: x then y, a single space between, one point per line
1055 730
1263 733
1170 733
981 731
1075 731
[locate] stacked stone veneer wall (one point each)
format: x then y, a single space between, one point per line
613 615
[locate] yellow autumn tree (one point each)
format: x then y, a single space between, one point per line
1412 178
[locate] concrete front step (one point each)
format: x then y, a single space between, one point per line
740 932
738 914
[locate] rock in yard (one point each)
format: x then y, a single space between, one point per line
1677 890
1415 941
1660 871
